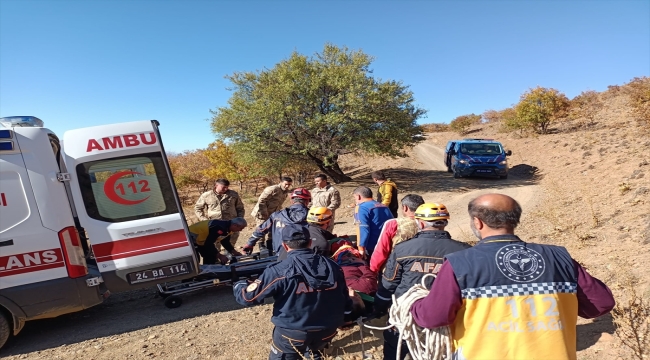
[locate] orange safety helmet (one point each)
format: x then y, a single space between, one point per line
319 215
431 212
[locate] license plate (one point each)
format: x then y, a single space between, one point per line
484 171
158 273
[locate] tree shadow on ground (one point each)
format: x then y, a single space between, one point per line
358 171
418 181
589 334
120 313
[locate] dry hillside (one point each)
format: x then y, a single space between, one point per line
585 189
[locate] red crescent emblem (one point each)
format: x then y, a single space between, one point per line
109 189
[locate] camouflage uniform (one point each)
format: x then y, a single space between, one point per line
270 201
327 197
220 207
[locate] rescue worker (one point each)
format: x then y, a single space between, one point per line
208 233
319 219
387 192
270 201
325 195
294 214
396 230
310 297
508 299
411 260
220 203
369 216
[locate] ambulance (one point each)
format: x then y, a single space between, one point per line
80 217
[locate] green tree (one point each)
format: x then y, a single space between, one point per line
539 107
319 108
462 123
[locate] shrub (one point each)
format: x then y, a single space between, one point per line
585 107
639 92
510 121
538 108
429 128
631 319
492 116
462 123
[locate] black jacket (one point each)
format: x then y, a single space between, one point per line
320 240
412 259
309 292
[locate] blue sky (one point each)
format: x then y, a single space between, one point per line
83 63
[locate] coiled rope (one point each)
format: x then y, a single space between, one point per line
423 344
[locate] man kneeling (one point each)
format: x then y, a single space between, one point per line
311 298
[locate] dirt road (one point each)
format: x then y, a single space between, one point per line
210 324
426 174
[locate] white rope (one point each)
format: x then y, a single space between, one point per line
423 344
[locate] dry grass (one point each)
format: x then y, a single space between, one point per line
632 317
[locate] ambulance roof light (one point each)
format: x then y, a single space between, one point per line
21 121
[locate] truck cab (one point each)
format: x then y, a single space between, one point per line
476 157
80 218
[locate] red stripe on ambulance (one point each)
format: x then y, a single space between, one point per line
32 261
140 245
118 142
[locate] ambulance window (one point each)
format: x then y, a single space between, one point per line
126 188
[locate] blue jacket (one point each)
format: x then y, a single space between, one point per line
294 214
309 292
370 216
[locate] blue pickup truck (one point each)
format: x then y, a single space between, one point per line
476 157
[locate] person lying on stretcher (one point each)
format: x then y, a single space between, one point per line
361 281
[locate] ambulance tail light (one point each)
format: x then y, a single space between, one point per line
73 253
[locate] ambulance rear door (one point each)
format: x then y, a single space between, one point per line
127 202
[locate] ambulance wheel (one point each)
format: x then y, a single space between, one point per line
173 302
5 330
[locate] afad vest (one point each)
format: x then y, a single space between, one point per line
519 301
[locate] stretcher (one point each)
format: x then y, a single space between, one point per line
239 267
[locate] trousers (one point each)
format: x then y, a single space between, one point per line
291 344
391 337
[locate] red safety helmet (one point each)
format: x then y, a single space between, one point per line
301 193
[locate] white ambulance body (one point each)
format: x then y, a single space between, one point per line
97 215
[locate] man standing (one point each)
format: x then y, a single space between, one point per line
396 230
508 299
387 193
294 214
208 233
220 203
310 298
270 201
370 216
411 260
325 195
